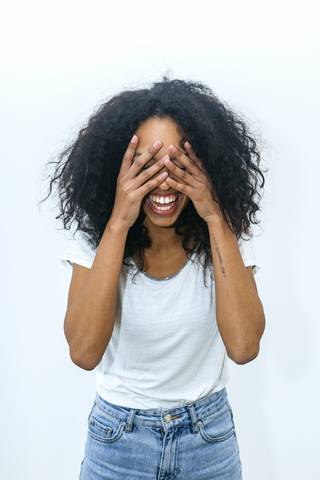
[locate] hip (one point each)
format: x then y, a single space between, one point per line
196 441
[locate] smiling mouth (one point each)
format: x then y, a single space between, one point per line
164 204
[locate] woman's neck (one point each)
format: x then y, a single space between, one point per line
163 238
166 256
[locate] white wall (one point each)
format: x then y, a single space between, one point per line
59 61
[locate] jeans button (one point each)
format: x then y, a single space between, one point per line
167 418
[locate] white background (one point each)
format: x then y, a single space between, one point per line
59 60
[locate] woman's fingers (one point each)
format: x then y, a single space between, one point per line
146 174
178 174
180 187
153 183
185 160
195 174
141 159
192 155
129 154
133 162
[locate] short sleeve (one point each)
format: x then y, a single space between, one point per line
248 253
79 252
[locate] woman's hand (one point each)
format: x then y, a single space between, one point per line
134 183
194 182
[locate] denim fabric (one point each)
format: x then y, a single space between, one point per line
196 441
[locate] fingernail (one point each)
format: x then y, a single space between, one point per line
187 144
133 139
164 175
173 148
157 144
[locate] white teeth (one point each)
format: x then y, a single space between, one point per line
158 207
163 199
157 201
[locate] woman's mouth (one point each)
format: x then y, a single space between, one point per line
163 205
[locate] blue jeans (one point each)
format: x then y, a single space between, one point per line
192 442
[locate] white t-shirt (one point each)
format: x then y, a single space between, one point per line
166 349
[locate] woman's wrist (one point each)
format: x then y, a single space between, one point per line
117 227
217 221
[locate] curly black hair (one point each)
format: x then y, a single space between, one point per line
86 172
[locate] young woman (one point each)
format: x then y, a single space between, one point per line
162 187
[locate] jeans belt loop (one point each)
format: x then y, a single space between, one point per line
130 420
194 419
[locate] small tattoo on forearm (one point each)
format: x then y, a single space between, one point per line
219 256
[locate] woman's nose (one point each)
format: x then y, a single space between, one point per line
164 186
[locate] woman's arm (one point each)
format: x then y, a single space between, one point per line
89 320
92 298
239 311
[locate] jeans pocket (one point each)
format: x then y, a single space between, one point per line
217 427
104 427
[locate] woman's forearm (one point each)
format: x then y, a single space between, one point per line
89 320
239 311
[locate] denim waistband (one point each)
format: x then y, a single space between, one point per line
191 413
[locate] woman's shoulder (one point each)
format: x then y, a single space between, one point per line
78 250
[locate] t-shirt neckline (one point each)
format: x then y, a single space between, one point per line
160 279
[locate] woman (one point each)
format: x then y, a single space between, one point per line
162 186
